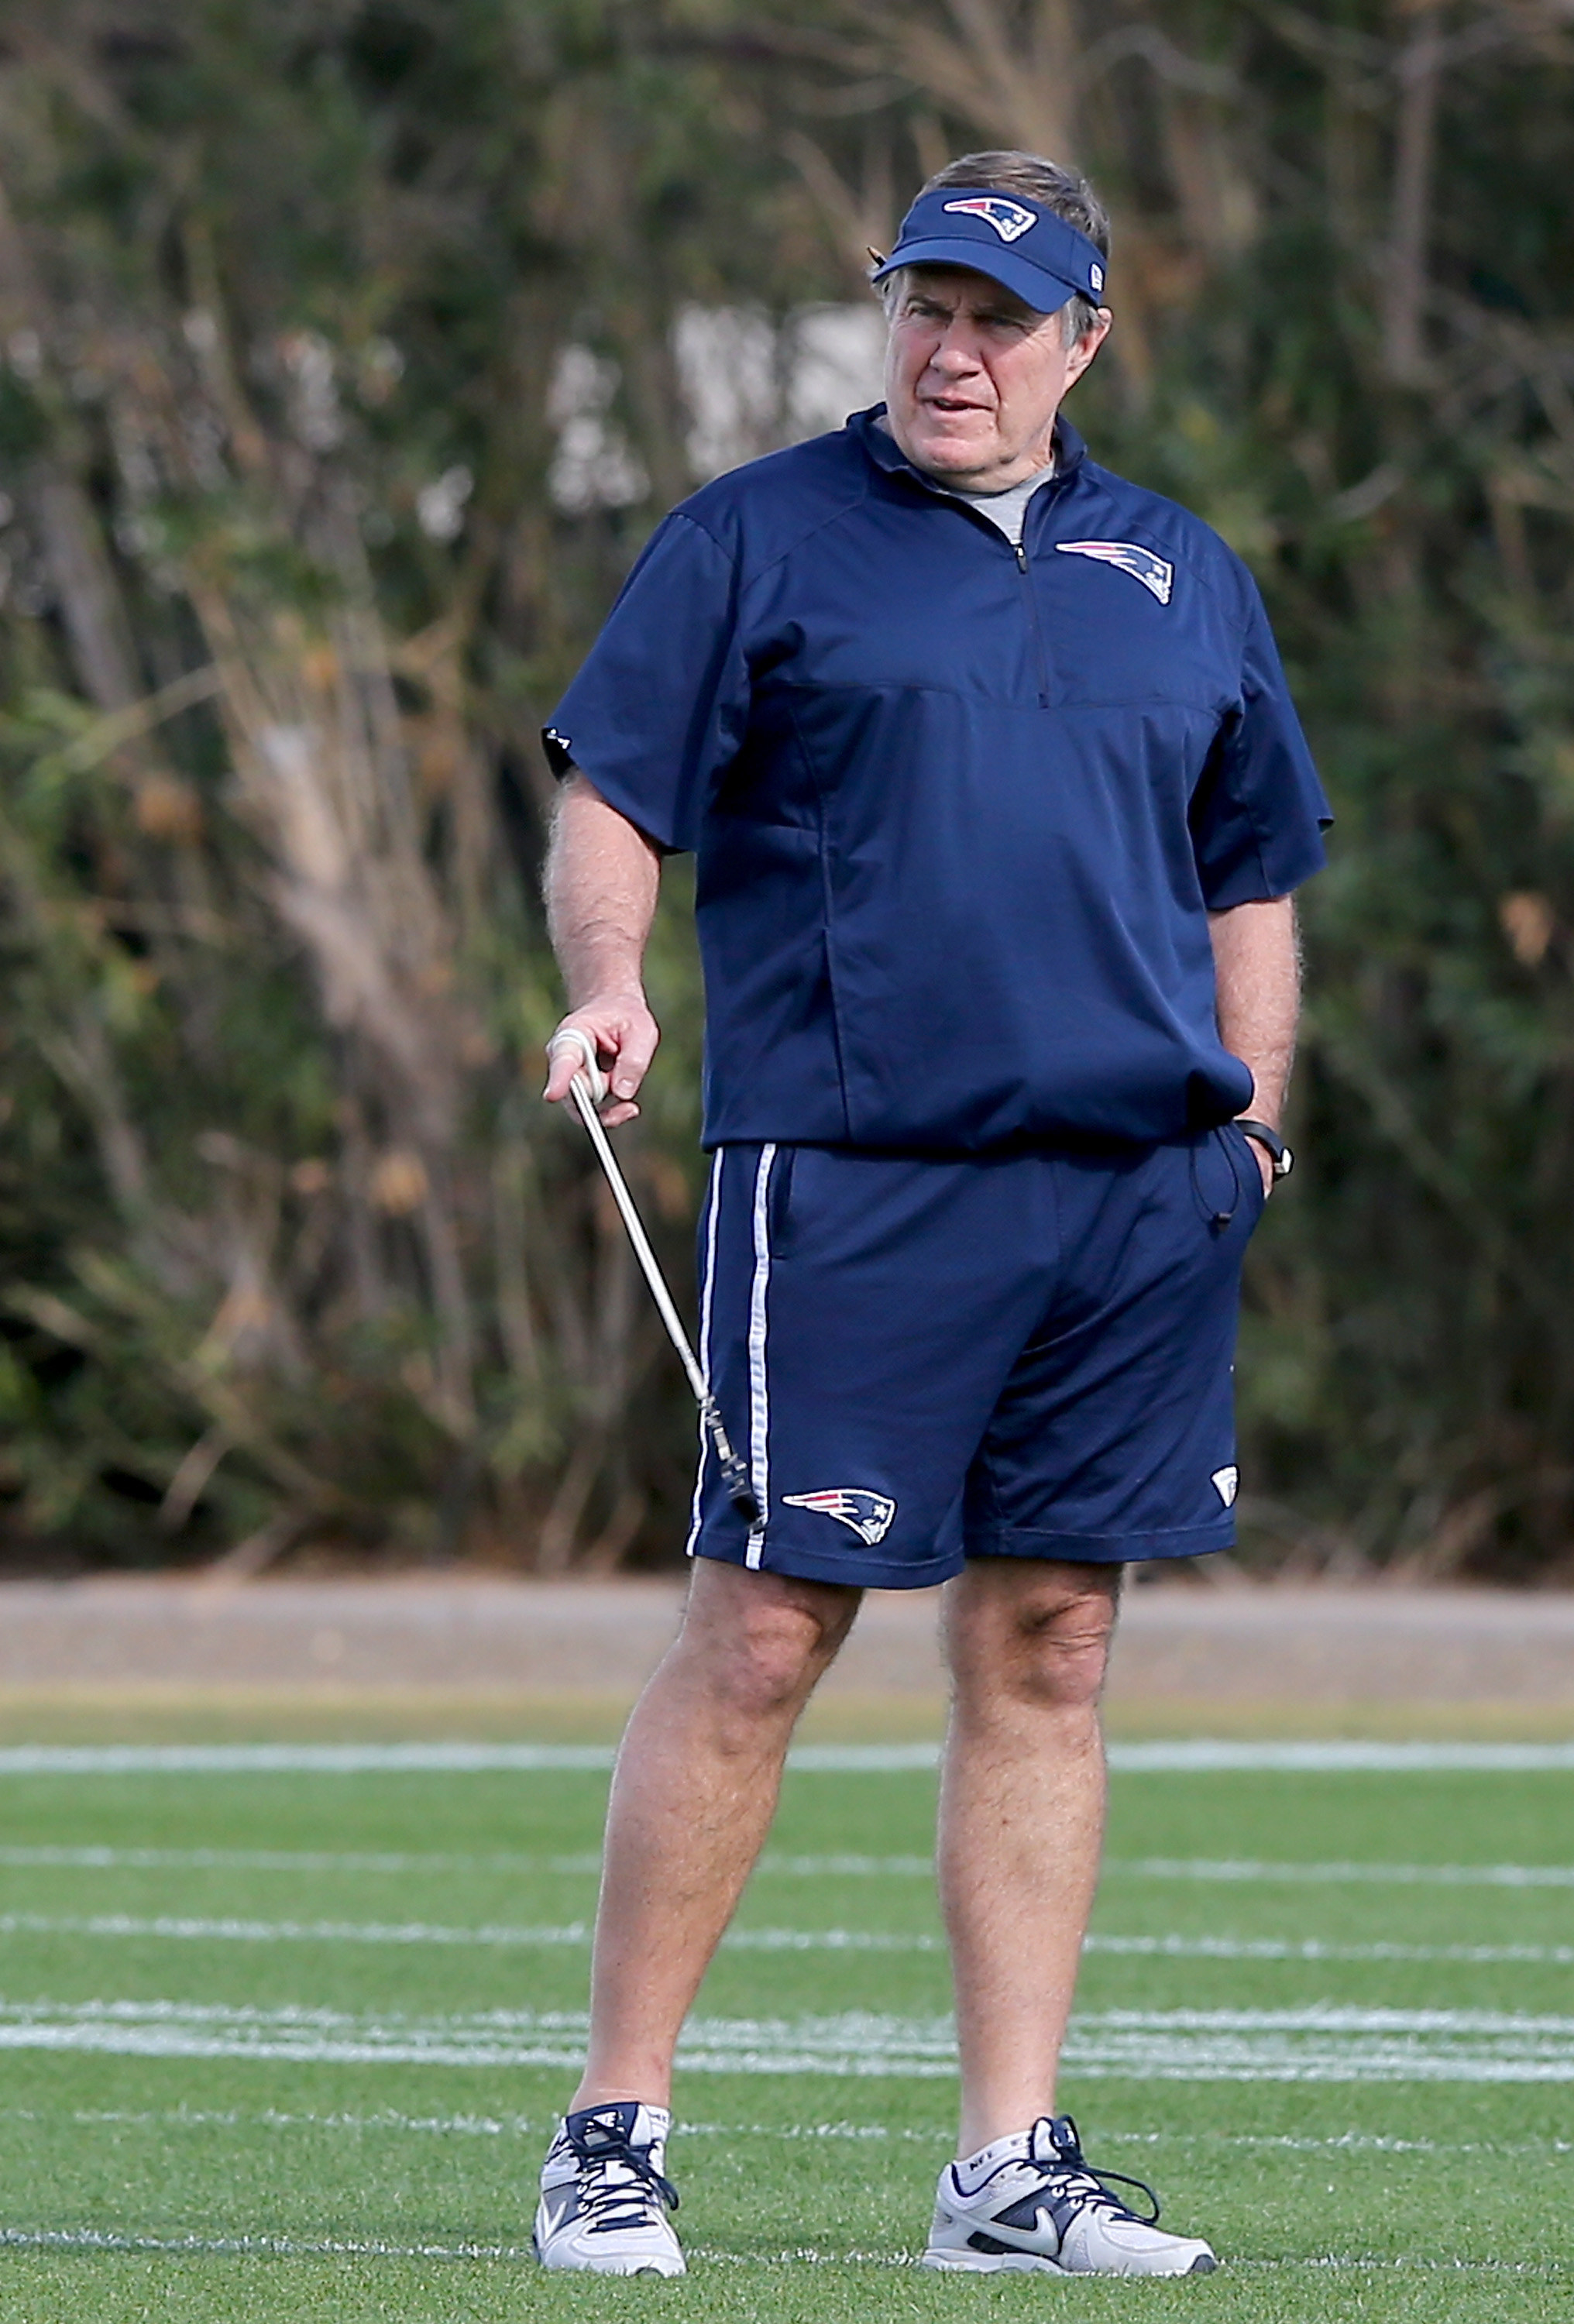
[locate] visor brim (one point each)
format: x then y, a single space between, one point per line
1044 292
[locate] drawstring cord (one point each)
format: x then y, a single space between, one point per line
1218 1220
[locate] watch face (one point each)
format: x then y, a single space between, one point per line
1285 1164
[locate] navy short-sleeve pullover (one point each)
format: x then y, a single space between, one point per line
960 810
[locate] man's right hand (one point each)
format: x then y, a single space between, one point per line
625 1035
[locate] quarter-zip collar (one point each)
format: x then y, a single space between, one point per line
1070 452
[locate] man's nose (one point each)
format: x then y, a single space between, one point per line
958 347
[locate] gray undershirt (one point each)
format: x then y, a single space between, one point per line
1009 509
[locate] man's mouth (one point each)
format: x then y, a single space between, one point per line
951 403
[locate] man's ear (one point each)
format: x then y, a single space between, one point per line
1081 354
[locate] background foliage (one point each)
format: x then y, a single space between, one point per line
344 370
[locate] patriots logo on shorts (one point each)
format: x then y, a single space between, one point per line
1140 563
1225 1483
868 1515
1009 219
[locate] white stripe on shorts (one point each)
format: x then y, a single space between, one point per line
758 1381
707 1298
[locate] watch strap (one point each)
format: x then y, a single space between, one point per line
1271 1144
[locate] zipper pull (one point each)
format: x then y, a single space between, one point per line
1021 557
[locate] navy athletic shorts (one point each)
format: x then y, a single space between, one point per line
925 1360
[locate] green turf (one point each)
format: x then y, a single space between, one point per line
217 2188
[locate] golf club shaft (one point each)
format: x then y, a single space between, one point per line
734 1471
646 1257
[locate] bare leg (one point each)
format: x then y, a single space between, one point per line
1021 1821
692 1798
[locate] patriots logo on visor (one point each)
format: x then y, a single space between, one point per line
1141 563
868 1515
1009 219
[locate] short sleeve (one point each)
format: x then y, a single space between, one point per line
1258 814
660 704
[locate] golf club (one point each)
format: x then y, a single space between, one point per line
588 1088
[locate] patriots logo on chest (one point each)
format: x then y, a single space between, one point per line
1009 219
1127 556
868 1515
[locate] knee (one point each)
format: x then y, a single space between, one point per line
1047 1648
766 1660
1061 1653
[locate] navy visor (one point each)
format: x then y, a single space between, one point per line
1034 253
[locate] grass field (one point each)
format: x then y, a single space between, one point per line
286 2042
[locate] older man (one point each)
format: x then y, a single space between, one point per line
998 804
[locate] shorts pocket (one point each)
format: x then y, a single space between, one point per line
1244 1154
784 1170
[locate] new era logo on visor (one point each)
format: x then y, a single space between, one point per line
868 1515
1127 556
1009 219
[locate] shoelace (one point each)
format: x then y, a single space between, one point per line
1097 2194
620 2186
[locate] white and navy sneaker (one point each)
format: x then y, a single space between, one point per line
1033 2203
603 2199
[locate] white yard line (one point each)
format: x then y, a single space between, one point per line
185 1928
1314 1948
1442 1876
303 1759
519 2126
268 2246
569 1933
1204 1758
1168 1867
587 1864
287 1859
1322 2044
1193 1758
281 2247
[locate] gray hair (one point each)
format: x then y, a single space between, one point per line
1059 191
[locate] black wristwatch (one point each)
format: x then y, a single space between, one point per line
1271 1144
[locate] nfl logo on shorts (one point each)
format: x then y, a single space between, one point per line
868 1515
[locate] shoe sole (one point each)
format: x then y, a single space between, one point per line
584 2267
1032 2263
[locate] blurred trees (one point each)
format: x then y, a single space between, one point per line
350 350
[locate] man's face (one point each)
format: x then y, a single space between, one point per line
974 378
